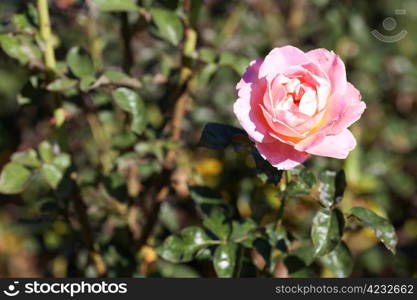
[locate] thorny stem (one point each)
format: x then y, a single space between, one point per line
45 32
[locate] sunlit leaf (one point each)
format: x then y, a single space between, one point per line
331 187
46 152
130 102
28 158
327 230
13 178
52 174
225 260
382 228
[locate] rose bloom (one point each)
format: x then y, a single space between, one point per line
293 104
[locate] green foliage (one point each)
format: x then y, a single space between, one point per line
130 102
169 25
382 228
184 246
14 178
331 188
326 230
130 139
226 259
339 261
80 63
116 5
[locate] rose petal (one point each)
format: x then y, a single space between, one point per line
280 155
337 146
332 65
246 108
280 59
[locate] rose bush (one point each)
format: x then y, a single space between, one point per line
293 104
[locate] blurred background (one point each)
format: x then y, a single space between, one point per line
36 239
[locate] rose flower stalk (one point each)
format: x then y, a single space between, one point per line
293 104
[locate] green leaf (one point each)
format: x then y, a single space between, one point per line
52 174
130 102
218 224
28 158
184 246
80 63
382 228
225 260
14 178
219 136
327 230
169 25
339 261
46 152
20 47
302 184
62 161
116 5
242 232
61 85
331 188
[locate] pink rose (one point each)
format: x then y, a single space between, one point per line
293 104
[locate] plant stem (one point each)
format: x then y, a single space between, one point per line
46 35
280 215
93 248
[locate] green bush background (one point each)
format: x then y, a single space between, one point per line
39 235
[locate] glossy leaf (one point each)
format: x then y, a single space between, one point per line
116 5
327 230
225 260
13 178
382 228
339 261
184 246
80 63
331 188
28 158
130 102
169 25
